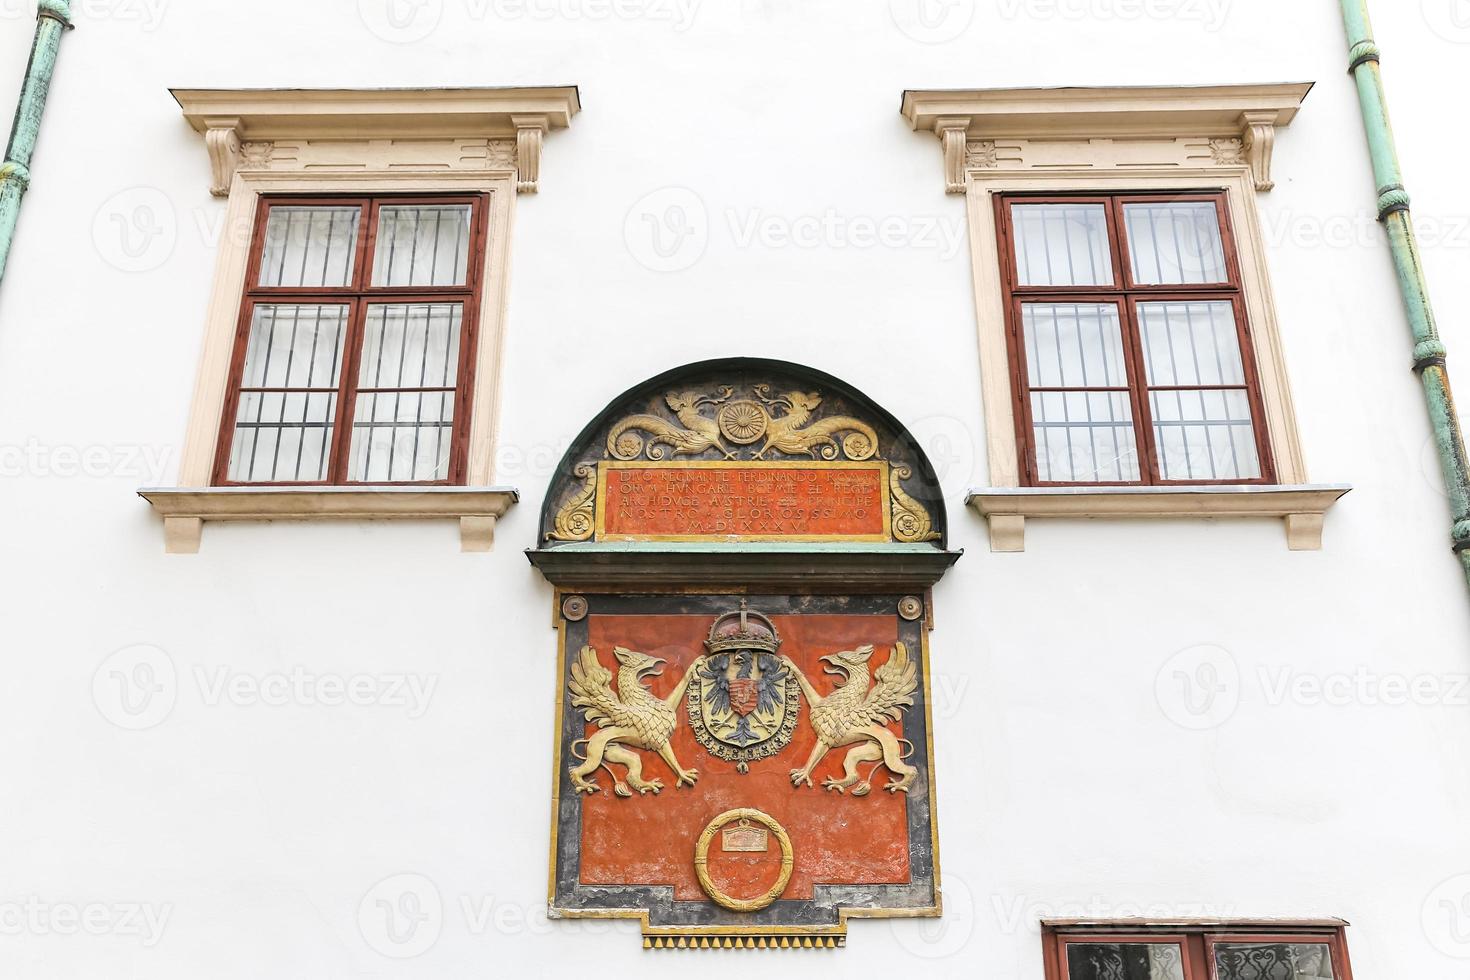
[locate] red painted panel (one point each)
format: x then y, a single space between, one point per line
750 501
838 839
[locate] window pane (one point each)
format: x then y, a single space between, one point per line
422 245
410 345
1125 961
1073 345
1204 435
402 435
1273 961
282 436
1062 244
1190 343
1083 437
1176 243
294 346
309 246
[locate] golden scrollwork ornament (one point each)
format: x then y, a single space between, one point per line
576 520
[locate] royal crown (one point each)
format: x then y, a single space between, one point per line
743 630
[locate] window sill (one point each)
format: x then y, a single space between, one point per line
1302 508
184 510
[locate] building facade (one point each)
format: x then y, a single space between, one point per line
466 460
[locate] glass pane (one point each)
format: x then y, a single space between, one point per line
1084 437
294 346
1073 345
1273 961
309 246
1190 343
422 245
1204 435
282 436
1176 243
1125 961
1062 244
402 436
410 345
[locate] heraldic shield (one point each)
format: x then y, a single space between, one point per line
743 553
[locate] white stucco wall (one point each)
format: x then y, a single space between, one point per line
252 832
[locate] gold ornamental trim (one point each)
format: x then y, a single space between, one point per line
574 522
701 860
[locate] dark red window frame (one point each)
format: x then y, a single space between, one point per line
1126 294
357 296
1197 939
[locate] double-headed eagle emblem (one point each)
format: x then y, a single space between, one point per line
742 699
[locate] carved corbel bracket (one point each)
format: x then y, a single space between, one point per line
951 131
222 140
530 132
1258 137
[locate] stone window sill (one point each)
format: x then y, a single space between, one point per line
184 510
1302 508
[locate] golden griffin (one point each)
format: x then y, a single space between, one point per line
854 715
626 719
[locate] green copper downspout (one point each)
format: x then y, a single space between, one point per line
53 17
1393 212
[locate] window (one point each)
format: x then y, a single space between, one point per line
1129 342
353 362
1213 952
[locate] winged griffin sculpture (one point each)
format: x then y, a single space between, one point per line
699 433
856 716
630 718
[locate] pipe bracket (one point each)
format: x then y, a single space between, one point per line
1390 199
17 173
1429 353
1460 535
1362 53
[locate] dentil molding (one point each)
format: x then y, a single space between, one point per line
482 129
1091 128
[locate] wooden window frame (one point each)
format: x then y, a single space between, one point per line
1197 940
357 296
1125 294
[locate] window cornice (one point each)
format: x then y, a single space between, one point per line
1230 123
501 128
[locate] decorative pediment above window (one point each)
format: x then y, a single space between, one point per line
403 130
1070 130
